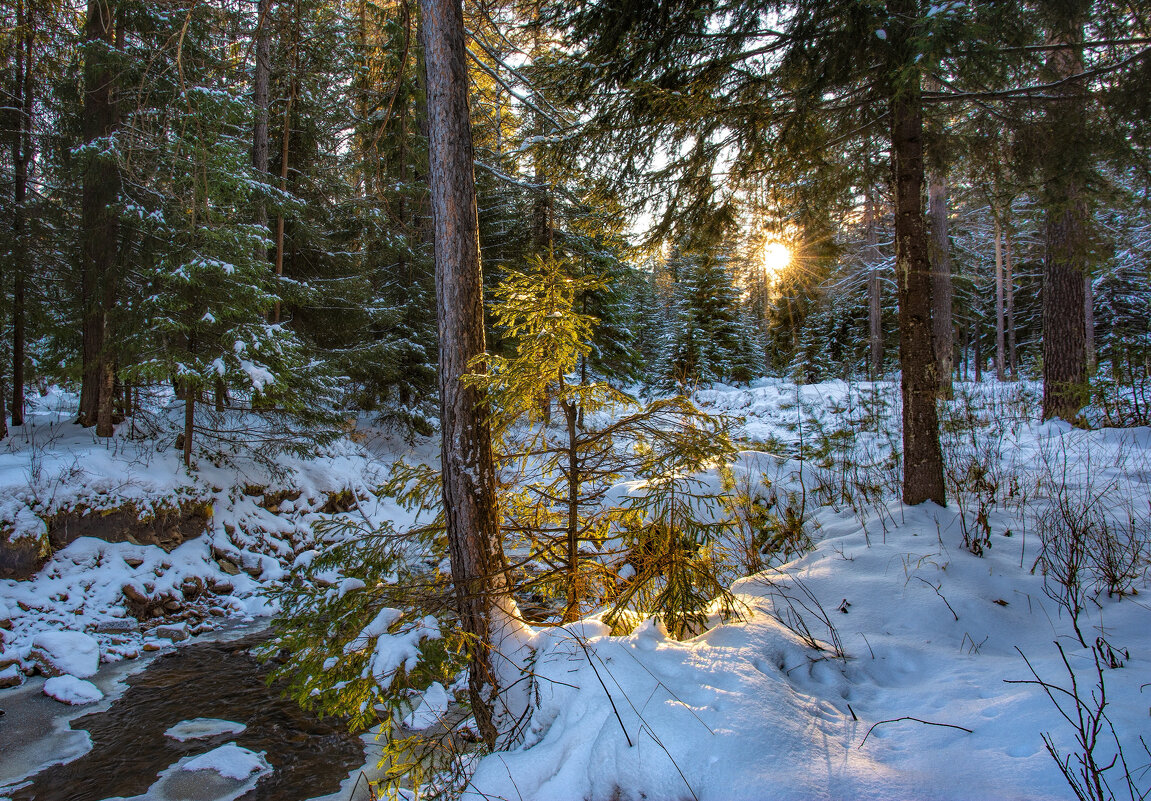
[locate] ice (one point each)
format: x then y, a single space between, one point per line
203 728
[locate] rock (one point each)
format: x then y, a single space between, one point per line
153 645
133 561
219 587
11 676
58 653
172 605
191 588
119 625
135 595
5 624
228 566
217 611
176 632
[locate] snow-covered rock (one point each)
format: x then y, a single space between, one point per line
66 652
71 690
203 729
229 760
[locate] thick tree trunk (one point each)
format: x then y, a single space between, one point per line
285 141
1065 260
922 457
98 219
941 293
469 485
1000 339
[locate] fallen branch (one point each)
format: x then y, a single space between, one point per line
917 720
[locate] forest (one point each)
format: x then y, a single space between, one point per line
585 399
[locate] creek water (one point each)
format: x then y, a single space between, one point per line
310 756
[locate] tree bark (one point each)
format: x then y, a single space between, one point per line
1009 283
469 485
941 293
874 292
922 457
99 224
1000 339
260 80
21 158
1065 260
1089 324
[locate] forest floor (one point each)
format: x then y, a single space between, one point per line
890 661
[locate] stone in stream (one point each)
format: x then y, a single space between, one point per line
57 653
176 632
11 676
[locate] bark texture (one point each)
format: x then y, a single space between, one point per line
470 500
1065 260
941 292
100 227
922 457
21 159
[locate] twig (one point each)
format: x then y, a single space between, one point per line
610 700
917 720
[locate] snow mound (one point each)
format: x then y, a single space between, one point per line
433 706
230 761
71 690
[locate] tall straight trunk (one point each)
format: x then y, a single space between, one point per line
1000 340
874 291
285 140
99 226
941 293
260 80
1009 285
574 591
469 483
1089 324
978 351
1065 260
21 158
922 456
189 423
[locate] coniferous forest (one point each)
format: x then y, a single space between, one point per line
588 399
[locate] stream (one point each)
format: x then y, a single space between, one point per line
220 679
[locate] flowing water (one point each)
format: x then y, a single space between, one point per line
310 756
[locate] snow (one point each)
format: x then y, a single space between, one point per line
70 652
884 663
431 710
203 729
71 690
228 760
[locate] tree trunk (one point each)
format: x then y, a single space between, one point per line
874 292
1009 285
574 591
98 219
922 457
21 157
1088 325
941 292
285 140
469 484
260 80
1065 260
1000 342
189 423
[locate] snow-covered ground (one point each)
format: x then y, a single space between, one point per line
886 663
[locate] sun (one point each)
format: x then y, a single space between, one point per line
776 257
